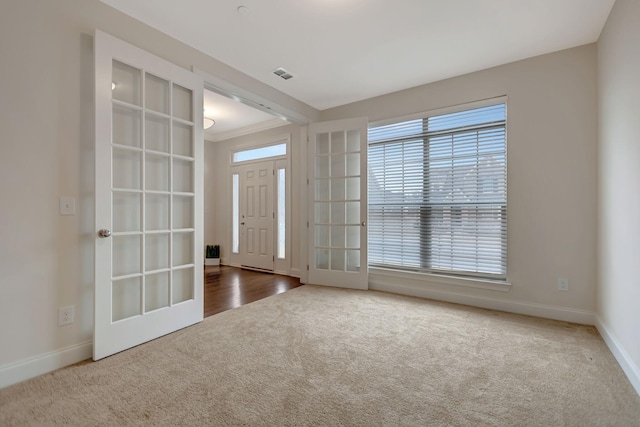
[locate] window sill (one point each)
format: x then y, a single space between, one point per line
441 279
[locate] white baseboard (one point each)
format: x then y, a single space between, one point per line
624 360
14 373
530 309
295 272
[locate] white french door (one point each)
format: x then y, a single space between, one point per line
338 203
149 197
257 215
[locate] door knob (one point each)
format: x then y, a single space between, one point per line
242 223
104 233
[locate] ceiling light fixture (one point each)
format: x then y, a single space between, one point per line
207 122
113 85
243 10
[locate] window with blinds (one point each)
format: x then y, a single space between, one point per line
438 194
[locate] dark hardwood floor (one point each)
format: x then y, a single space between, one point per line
230 287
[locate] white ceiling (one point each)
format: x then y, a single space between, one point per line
233 118
341 51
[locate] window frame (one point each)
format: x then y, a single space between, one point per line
465 278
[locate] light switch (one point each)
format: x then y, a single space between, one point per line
67 206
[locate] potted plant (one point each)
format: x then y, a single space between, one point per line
212 256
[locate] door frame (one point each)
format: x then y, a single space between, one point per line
281 266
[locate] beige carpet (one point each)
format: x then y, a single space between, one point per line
322 356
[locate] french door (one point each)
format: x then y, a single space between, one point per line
149 197
338 203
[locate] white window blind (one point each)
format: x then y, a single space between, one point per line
438 194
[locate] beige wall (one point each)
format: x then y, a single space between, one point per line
552 140
619 184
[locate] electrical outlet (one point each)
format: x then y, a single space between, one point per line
65 315
563 284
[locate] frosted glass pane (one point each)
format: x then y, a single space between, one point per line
126 212
183 212
322 213
337 189
353 188
322 235
337 260
125 255
353 141
353 212
353 164
183 249
235 222
182 103
337 142
337 213
182 139
156 253
157 212
183 283
127 83
282 210
182 176
322 189
126 126
260 153
353 261
353 237
126 296
156 291
157 94
126 169
157 134
322 259
337 165
337 237
322 143
157 173
322 166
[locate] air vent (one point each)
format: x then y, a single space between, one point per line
282 73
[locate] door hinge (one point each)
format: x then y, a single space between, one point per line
274 215
274 258
307 224
307 267
307 181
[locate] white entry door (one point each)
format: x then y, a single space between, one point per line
149 197
257 215
338 203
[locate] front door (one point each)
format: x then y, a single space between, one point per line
149 197
257 215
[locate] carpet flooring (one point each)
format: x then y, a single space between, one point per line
330 357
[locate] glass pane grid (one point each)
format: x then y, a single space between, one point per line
154 204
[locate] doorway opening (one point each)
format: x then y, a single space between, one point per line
259 207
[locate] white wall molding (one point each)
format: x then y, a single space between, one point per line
624 360
247 130
295 272
22 370
566 314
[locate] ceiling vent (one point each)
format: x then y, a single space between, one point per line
282 73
